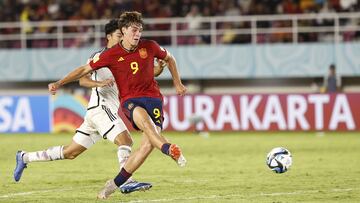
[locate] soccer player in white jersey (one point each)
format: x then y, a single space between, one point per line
101 120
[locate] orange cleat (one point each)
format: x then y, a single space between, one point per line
175 153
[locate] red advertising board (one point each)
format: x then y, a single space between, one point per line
264 112
238 112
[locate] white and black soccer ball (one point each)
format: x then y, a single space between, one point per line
279 160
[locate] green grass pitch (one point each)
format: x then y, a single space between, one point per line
226 167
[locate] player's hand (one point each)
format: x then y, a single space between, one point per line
107 82
159 68
53 88
180 89
161 63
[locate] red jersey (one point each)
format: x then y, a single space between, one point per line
133 71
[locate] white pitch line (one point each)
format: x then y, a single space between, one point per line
335 190
307 192
185 199
234 195
41 191
31 192
288 193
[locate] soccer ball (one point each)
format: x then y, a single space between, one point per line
279 160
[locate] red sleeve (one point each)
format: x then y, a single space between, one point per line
100 60
159 52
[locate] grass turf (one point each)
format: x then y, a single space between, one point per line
226 167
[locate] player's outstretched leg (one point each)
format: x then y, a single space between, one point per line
144 122
51 154
133 163
23 158
20 165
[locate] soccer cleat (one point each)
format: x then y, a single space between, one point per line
108 189
181 161
20 166
133 186
175 153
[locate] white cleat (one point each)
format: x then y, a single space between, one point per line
108 189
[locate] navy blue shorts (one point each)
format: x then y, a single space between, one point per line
153 107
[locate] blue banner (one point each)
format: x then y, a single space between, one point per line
25 114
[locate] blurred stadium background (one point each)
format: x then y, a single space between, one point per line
249 65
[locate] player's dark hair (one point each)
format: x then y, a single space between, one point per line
111 26
129 18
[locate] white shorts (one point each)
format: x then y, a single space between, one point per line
99 122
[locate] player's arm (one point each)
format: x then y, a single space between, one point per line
72 76
159 68
98 61
86 81
180 88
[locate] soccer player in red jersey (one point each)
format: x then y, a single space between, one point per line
132 64
101 116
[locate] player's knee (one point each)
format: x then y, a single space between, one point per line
127 138
124 138
129 142
70 154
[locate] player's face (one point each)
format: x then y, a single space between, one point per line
114 38
132 34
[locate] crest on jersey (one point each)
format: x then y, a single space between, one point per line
143 53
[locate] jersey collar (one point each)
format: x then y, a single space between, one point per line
127 50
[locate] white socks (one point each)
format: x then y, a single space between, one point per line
51 154
56 153
123 154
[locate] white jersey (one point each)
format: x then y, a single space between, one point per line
108 94
101 119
